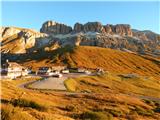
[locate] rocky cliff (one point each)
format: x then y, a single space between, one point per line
19 40
51 27
53 35
55 28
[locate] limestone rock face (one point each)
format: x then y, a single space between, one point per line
108 29
120 29
123 30
51 27
93 27
78 27
19 40
8 31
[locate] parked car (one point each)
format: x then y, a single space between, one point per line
57 75
53 73
87 72
66 71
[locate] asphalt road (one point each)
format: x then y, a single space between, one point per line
58 84
52 83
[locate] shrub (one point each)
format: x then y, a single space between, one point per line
142 111
70 108
116 113
150 102
96 116
157 110
26 103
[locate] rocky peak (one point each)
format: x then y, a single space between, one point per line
120 29
52 27
93 27
78 27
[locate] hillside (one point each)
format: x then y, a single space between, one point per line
111 60
92 57
115 83
102 98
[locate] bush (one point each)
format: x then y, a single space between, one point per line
142 111
26 103
70 108
96 116
149 102
157 110
116 113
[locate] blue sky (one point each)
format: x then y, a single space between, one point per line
140 15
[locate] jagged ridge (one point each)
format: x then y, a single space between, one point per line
55 35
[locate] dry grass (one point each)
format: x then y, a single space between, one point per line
116 83
62 106
107 97
70 84
9 112
95 57
114 61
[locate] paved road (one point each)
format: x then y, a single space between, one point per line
52 83
58 84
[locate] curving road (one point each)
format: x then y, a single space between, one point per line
50 83
53 83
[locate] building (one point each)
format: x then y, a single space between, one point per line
59 68
44 70
81 70
13 70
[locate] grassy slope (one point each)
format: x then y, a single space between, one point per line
95 57
74 106
114 61
115 84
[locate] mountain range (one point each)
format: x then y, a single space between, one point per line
54 35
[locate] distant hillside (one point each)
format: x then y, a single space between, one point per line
92 57
111 60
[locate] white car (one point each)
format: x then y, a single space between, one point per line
87 72
53 73
65 71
